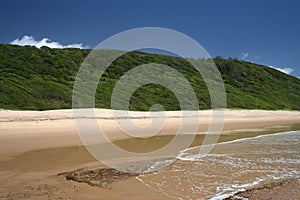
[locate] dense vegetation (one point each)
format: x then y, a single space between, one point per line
42 79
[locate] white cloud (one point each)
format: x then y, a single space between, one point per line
29 40
245 55
286 70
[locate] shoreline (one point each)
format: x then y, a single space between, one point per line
54 178
33 152
282 189
34 130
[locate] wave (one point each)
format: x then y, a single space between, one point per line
231 167
183 155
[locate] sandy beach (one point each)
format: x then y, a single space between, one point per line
35 146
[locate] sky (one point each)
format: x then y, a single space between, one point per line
261 31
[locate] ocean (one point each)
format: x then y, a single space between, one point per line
229 168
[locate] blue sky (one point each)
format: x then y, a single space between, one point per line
265 32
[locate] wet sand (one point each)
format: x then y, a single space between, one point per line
36 146
283 190
231 167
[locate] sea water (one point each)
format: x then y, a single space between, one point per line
229 168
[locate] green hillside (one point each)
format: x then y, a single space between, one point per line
42 79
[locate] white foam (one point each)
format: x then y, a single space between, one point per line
182 154
238 188
230 169
159 164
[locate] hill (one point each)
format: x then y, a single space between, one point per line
42 79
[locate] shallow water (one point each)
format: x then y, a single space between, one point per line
231 167
144 145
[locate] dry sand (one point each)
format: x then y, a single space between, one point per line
37 145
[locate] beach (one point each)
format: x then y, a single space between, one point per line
36 146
